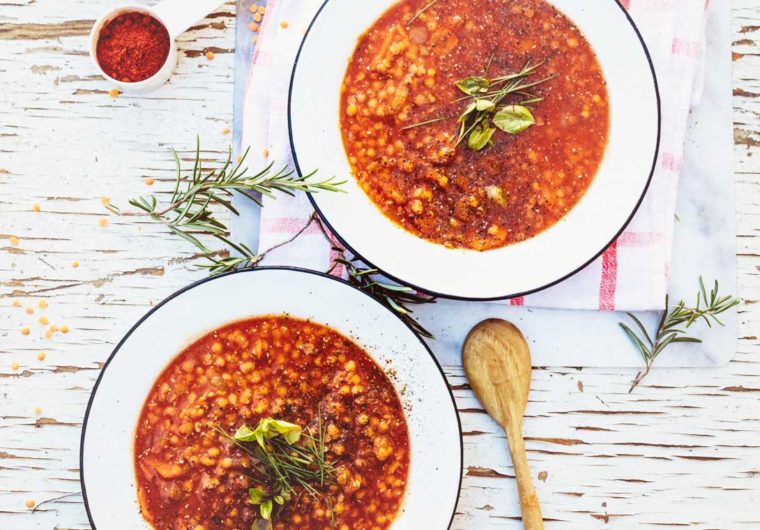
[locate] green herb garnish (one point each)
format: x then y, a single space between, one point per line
482 116
284 457
421 11
674 323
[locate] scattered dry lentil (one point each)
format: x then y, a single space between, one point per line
29 310
36 207
103 222
13 240
284 24
114 93
14 365
37 411
30 503
41 356
64 329
42 304
105 201
75 264
25 330
16 303
150 181
210 55
43 320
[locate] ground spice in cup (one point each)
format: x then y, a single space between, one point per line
132 47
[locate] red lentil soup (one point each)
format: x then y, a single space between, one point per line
403 74
191 477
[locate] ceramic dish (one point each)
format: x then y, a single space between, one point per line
515 269
107 459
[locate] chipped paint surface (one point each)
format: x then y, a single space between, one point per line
682 452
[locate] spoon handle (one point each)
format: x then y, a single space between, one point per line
178 15
531 508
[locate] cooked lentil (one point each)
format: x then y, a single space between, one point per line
403 75
189 476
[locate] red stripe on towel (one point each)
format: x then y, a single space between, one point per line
519 301
608 283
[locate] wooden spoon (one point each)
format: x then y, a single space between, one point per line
496 360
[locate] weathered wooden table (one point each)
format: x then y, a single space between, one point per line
682 452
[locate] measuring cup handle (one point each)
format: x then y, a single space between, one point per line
179 15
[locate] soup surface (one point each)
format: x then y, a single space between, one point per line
399 119
190 476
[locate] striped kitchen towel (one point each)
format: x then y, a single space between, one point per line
631 275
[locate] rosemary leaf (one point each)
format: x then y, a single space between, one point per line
673 324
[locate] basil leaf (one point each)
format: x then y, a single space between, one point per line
480 137
471 107
473 84
266 510
484 104
245 434
514 119
256 495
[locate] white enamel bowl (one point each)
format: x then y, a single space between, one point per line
516 269
107 472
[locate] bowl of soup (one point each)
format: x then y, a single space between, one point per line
496 147
271 399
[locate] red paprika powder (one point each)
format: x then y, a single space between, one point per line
132 47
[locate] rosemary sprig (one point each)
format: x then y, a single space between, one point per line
395 297
674 323
421 12
285 457
482 116
191 208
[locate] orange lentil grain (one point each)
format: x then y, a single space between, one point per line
258 17
75 264
17 303
36 207
30 503
114 93
150 181
29 310
262 10
253 27
13 240
284 24
210 55
226 130
48 334
41 356
37 412
105 201
64 329
254 8
42 304
53 328
43 321
14 365
103 222
266 153
25 330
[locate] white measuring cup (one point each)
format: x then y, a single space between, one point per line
176 16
